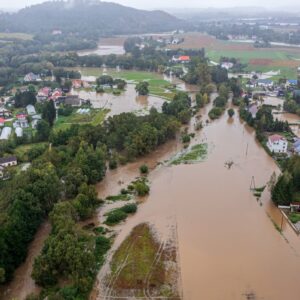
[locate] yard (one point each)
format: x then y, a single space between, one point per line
95 117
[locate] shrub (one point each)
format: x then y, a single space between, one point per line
113 164
144 169
129 208
185 138
215 113
115 217
142 188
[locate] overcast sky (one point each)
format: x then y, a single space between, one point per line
150 4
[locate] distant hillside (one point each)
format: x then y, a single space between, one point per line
87 17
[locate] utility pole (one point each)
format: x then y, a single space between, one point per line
252 185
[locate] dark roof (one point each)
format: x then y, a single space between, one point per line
72 100
8 159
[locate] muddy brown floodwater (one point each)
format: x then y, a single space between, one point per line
23 284
128 101
228 245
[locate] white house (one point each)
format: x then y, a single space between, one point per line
277 144
30 110
227 65
19 132
8 161
5 134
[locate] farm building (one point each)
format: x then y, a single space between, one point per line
265 83
5 134
277 144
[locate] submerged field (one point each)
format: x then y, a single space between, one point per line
143 267
157 85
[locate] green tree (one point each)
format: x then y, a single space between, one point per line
43 131
142 88
230 112
49 112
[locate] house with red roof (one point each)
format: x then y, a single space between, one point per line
2 121
277 144
181 59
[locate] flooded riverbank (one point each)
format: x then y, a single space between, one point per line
23 284
228 245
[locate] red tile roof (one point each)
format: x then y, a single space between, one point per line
184 58
276 137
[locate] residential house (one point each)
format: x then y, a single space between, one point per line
227 65
30 110
72 100
5 133
267 83
8 161
43 94
31 77
2 121
21 121
277 144
56 94
19 131
291 83
181 59
78 84
4 113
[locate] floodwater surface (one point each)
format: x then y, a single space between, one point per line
228 245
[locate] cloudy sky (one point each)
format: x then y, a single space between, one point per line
149 4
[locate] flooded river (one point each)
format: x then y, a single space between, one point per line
227 243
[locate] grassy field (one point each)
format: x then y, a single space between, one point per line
15 36
196 153
139 266
157 85
285 59
95 117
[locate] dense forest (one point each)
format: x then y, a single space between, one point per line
87 18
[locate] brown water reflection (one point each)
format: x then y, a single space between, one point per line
23 284
128 101
228 246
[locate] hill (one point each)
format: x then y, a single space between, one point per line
87 17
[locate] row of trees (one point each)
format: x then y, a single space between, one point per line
76 160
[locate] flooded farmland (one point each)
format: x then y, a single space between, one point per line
228 245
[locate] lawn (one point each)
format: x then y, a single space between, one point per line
15 36
95 117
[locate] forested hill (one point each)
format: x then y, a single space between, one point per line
87 17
